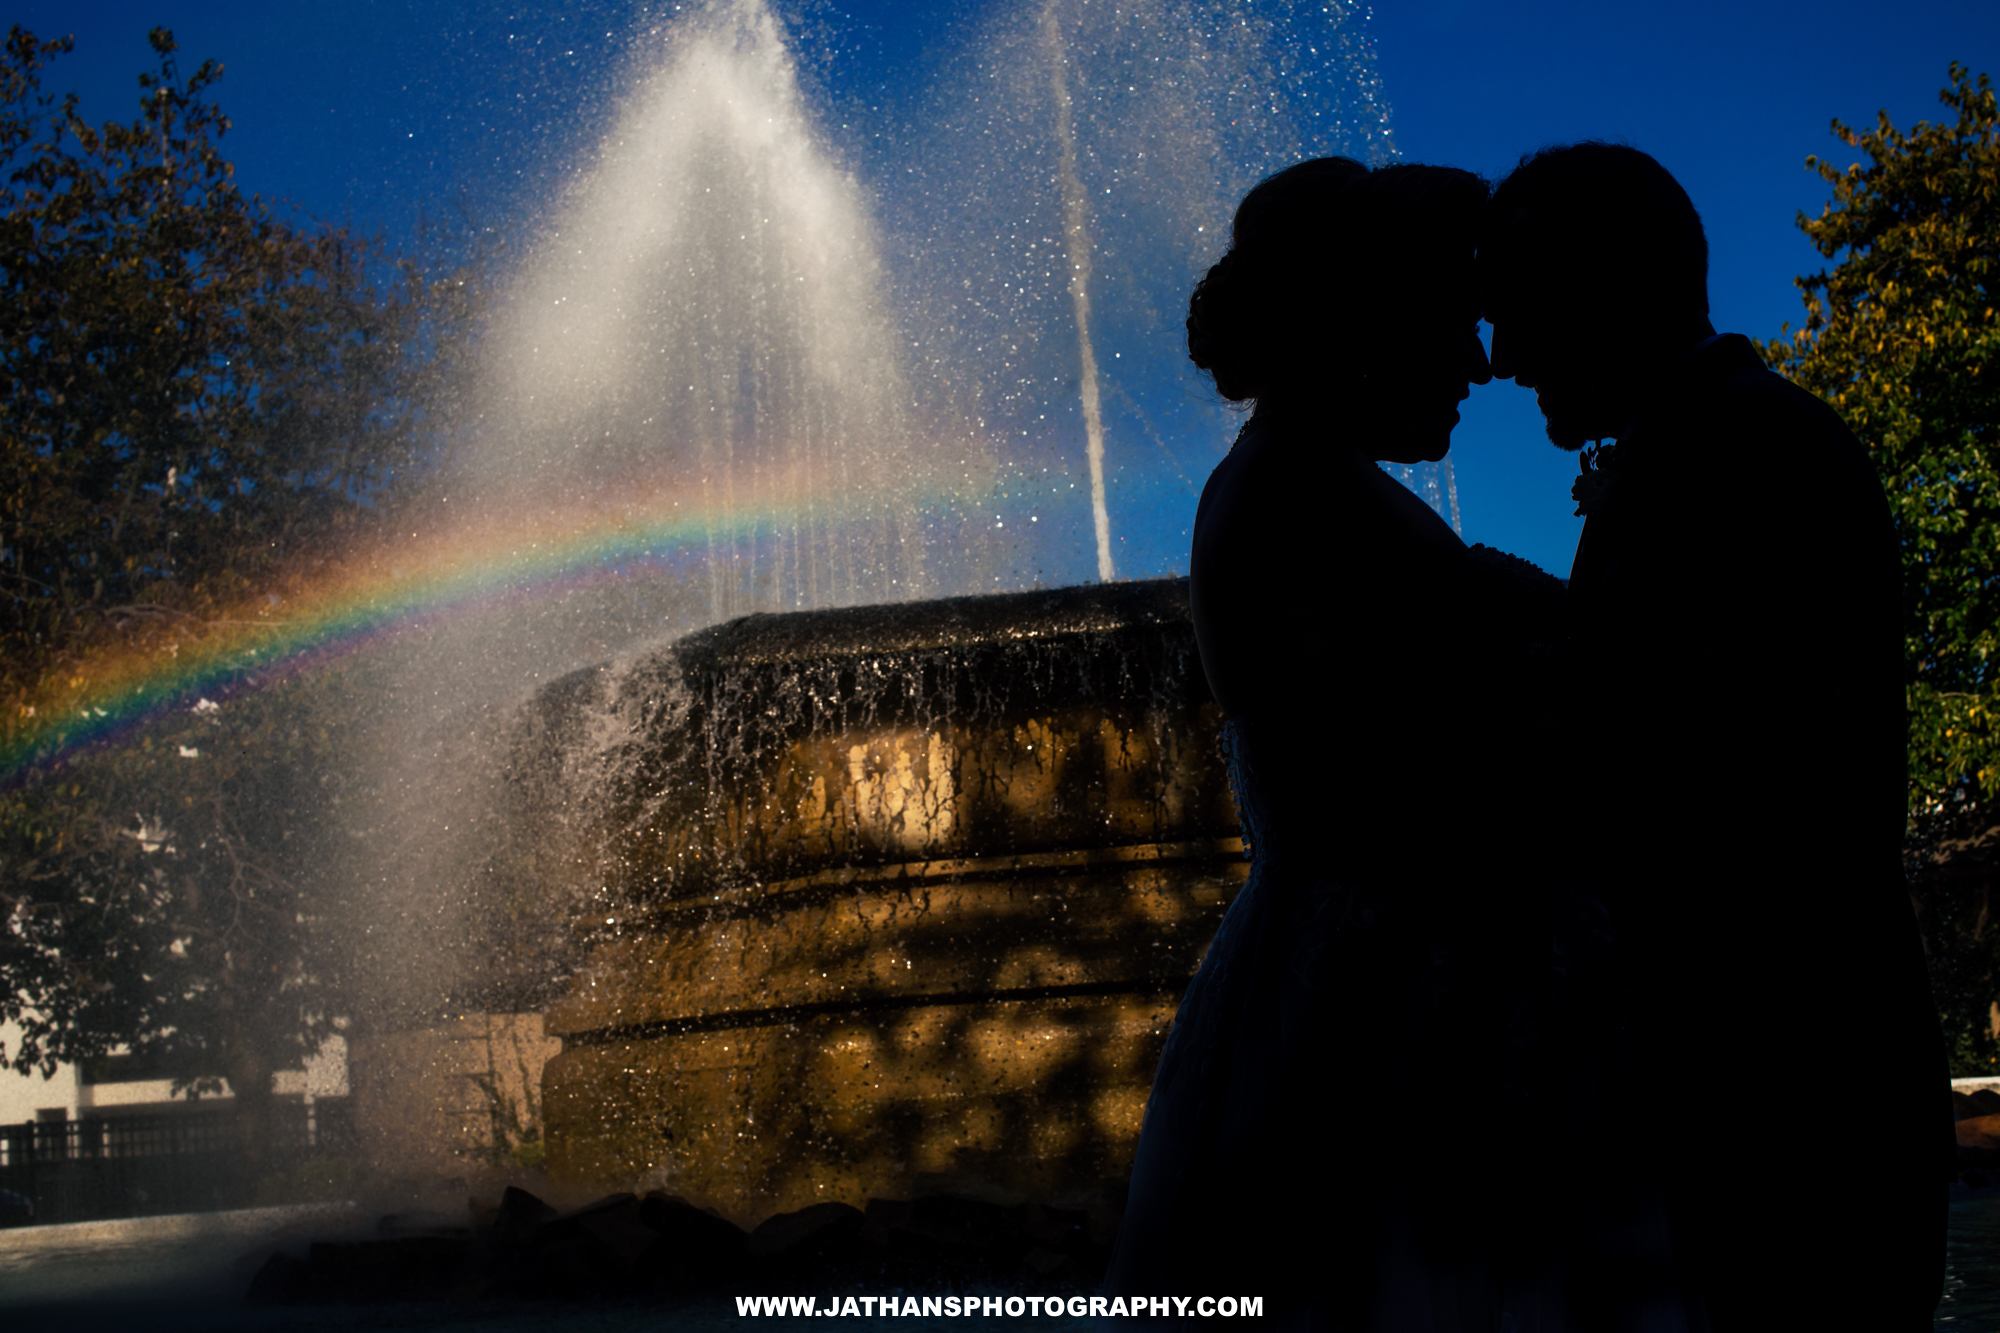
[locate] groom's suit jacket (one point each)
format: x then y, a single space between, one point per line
1740 771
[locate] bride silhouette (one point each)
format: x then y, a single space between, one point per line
1389 722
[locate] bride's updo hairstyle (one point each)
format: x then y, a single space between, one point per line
1326 258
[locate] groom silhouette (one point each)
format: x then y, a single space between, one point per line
1738 764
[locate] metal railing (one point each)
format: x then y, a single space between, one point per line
142 1165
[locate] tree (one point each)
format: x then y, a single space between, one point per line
1902 339
199 402
196 393
168 897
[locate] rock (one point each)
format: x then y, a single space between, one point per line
616 1224
783 1232
1963 1107
517 1203
697 1249
1987 1100
966 1223
698 1235
883 1217
977 1240
1056 1228
813 1249
622 1245
521 1216
281 1280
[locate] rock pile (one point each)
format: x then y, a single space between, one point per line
625 1245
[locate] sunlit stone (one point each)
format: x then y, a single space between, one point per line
910 895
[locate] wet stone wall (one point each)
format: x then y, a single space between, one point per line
879 902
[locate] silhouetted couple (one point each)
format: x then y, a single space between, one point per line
1575 985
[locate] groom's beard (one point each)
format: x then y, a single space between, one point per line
1577 419
1565 430
1564 435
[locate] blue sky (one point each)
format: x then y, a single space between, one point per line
375 110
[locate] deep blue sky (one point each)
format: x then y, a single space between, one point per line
374 110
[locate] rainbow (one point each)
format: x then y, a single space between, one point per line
401 585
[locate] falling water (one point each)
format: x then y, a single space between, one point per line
1434 483
706 312
1076 235
1047 205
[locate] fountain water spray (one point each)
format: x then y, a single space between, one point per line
707 305
1077 242
1047 207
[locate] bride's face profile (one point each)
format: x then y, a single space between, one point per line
1418 371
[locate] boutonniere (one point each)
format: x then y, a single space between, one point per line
1597 474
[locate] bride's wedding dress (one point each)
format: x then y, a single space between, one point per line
1383 1093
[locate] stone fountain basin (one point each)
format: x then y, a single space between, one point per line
906 898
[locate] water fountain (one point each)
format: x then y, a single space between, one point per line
905 896
706 316
898 897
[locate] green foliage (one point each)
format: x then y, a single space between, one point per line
510 1088
201 403
1901 337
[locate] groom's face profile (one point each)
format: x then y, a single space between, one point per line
1593 271
1549 336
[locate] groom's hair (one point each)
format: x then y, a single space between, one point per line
1601 213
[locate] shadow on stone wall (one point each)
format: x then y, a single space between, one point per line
880 902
